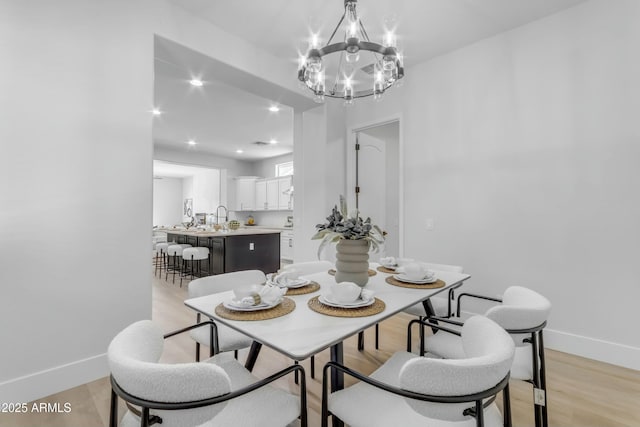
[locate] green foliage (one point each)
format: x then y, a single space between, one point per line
341 225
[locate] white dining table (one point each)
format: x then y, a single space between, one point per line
304 332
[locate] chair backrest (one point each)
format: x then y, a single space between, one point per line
309 267
521 308
133 359
225 282
443 267
489 353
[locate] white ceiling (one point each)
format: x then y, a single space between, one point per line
219 118
222 118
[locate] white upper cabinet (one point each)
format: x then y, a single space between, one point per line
245 193
253 194
261 195
272 194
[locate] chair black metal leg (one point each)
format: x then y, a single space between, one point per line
360 340
421 326
479 414
144 418
295 374
313 367
543 379
113 410
536 377
506 407
377 335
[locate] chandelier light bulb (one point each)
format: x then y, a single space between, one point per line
314 43
390 39
352 29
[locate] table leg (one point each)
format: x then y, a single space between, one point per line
337 377
428 308
253 355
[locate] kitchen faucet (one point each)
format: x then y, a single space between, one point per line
226 214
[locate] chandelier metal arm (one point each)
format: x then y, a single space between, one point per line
335 30
363 45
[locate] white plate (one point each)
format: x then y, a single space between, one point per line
403 278
356 304
231 306
292 284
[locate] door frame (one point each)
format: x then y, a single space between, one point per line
350 157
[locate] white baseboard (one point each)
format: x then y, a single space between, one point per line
44 383
592 348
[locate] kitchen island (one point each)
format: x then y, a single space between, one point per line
234 250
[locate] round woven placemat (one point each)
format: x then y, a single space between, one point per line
386 270
306 289
285 307
377 307
392 281
371 272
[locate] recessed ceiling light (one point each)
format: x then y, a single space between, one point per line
273 141
196 82
156 112
274 108
239 151
191 142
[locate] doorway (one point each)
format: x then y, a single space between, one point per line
375 187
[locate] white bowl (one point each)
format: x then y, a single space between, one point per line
416 271
344 292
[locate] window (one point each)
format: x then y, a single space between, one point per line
284 169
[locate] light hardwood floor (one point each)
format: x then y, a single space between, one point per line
582 392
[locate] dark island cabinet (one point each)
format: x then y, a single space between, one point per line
252 252
235 252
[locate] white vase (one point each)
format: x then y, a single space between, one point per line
352 261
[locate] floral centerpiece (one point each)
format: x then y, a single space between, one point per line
355 237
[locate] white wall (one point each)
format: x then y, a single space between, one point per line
197 158
167 201
267 168
75 230
206 191
523 148
77 85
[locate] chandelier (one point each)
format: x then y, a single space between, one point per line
352 68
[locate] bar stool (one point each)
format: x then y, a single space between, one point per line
161 253
193 255
174 251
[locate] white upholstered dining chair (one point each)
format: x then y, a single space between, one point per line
523 313
409 390
224 338
218 392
